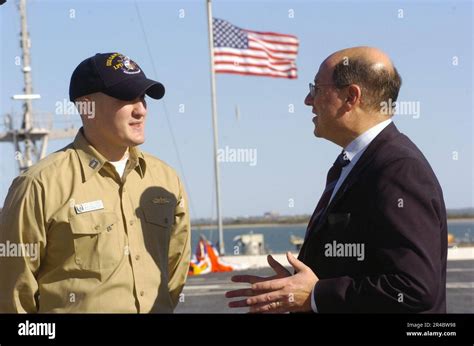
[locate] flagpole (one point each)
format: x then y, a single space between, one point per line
214 126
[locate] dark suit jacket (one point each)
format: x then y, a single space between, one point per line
392 204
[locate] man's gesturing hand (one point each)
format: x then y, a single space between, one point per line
280 293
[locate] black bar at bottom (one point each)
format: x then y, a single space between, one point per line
287 329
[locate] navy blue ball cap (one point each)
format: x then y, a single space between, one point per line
113 74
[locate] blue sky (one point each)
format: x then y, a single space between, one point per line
429 42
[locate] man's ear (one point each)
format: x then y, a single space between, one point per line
353 96
86 107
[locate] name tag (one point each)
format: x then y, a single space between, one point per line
89 206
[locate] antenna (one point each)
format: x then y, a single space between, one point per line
237 112
25 139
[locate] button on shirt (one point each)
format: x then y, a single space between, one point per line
354 151
105 243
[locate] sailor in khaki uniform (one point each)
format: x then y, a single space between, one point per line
98 226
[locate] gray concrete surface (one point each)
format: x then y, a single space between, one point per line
205 294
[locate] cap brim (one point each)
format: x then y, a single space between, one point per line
132 88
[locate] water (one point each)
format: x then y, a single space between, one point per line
463 231
277 237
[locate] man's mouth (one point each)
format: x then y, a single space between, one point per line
315 118
136 125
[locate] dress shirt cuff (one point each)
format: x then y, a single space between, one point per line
313 301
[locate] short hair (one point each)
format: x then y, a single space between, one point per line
378 84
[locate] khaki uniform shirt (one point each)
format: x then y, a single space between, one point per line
103 243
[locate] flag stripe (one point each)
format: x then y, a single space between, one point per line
286 44
265 74
272 34
236 56
253 69
255 52
274 48
250 60
275 40
274 53
271 67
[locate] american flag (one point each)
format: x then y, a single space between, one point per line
253 53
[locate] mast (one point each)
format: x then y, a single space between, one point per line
29 133
214 126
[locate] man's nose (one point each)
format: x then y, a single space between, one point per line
308 100
139 109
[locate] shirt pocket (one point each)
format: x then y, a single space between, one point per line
96 240
159 215
156 226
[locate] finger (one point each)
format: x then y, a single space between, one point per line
277 267
282 309
246 292
251 279
238 304
260 308
272 285
265 298
269 308
296 263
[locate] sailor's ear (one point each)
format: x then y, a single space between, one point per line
85 106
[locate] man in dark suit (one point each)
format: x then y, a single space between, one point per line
377 241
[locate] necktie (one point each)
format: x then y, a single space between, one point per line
333 176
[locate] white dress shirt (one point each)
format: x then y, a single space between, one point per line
354 151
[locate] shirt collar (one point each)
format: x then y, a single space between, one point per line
92 161
361 142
